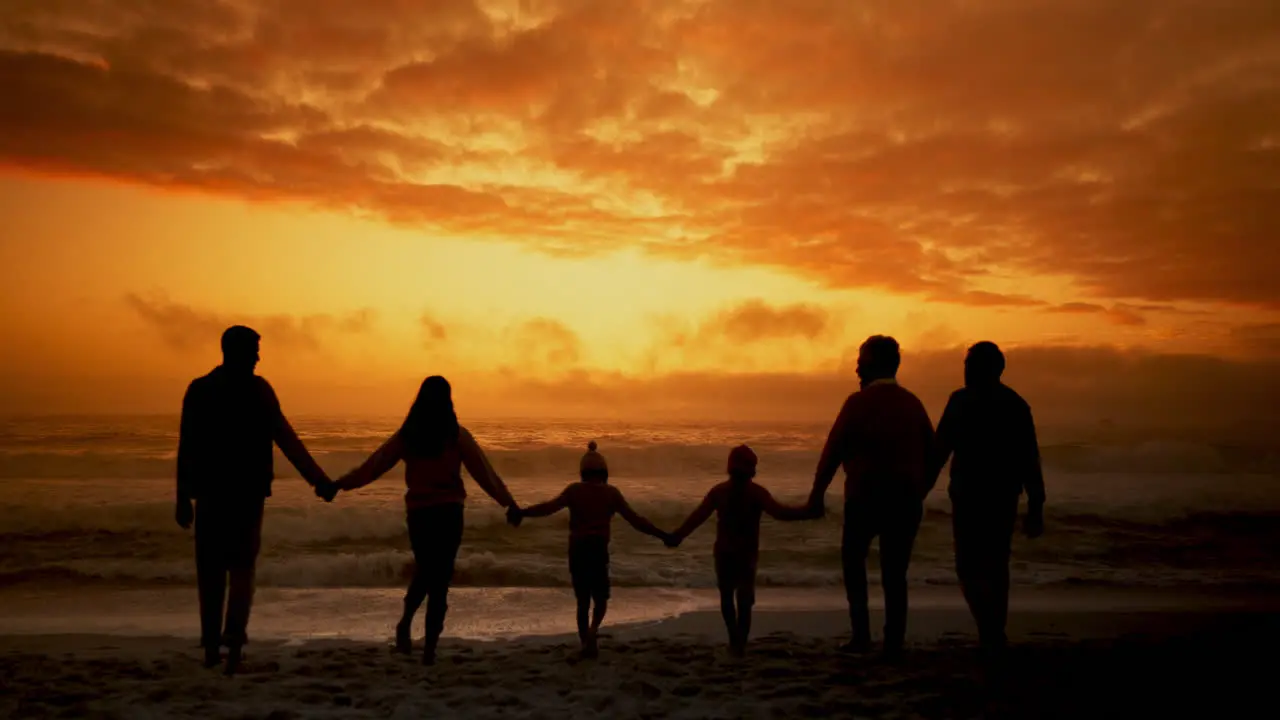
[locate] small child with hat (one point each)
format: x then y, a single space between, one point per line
592 503
738 503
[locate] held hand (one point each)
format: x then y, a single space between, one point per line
1033 523
514 516
817 505
671 540
327 490
184 514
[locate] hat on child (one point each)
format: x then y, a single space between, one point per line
592 461
742 460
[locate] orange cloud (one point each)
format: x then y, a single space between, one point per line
188 330
1129 149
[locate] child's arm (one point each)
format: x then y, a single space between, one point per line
637 521
778 511
699 516
549 507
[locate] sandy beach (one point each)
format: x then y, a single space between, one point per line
1083 654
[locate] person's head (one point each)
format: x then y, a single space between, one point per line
592 467
240 348
742 463
983 365
878 359
431 424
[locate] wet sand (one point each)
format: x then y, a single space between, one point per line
1074 655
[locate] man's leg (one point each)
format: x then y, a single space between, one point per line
968 559
1000 522
896 543
243 546
854 545
211 583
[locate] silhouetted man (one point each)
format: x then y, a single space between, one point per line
882 437
989 429
230 420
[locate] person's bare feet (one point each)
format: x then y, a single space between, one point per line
591 645
404 641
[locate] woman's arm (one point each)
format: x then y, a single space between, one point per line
478 465
382 460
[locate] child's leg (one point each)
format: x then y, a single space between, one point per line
724 581
584 611
597 613
746 599
600 588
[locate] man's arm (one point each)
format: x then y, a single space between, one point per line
188 458
1033 481
550 507
290 444
943 443
376 465
832 454
188 441
636 520
778 511
478 466
700 515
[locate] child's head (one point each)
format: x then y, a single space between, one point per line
742 463
593 468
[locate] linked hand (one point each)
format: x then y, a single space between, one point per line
514 516
184 514
671 541
327 490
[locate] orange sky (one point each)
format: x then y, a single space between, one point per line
535 195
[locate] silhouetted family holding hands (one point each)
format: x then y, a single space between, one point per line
882 437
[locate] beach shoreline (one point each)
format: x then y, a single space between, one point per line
1072 653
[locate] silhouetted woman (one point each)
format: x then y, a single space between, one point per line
434 448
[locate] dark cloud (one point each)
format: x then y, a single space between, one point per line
185 329
433 331
1075 390
1120 313
1258 338
1131 148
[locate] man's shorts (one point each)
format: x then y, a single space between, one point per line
589 568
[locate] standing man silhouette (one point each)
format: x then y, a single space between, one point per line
882 437
989 429
230 420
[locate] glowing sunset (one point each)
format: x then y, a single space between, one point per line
528 191
941 335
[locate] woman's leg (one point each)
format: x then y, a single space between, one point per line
446 538
419 542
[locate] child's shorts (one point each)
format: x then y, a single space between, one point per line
589 568
736 571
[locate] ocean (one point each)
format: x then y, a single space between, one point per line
88 501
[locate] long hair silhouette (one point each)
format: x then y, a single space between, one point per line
432 424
